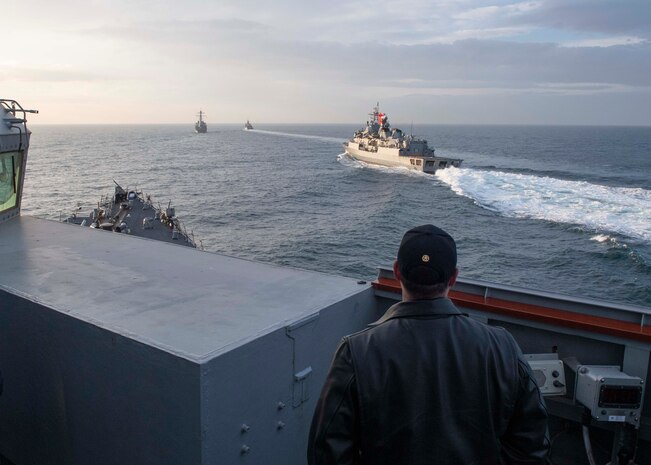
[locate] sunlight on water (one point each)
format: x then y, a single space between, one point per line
621 210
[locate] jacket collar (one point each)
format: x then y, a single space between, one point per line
441 306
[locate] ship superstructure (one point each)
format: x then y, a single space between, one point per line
248 126
380 144
130 211
14 142
200 127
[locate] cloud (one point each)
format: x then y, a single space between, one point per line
630 17
312 54
605 42
17 73
250 46
494 11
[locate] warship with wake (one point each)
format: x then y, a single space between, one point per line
378 144
117 350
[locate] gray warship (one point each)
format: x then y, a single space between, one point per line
200 127
248 126
129 211
378 144
115 350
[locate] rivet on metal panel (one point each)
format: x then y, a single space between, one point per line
280 425
245 428
281 405
245 449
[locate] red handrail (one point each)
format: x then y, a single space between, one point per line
568 319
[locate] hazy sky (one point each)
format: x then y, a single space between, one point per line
284 61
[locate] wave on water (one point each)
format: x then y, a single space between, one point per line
603 209
601 238
298 136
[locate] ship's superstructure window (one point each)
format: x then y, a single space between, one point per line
10 164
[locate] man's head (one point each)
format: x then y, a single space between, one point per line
427 262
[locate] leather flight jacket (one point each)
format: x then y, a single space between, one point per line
427 384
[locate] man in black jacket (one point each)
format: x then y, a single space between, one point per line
426 384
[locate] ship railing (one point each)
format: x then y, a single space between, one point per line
178 224
13 107
108 202
614 321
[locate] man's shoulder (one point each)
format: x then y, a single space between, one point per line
358 335
463 325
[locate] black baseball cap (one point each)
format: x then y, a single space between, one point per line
427 255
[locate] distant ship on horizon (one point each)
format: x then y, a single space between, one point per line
248 126
200 126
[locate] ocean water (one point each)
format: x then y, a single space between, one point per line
561 209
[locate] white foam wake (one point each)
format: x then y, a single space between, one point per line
298 136
603 209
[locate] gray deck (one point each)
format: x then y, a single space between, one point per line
187 302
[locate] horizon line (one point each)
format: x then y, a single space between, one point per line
349 124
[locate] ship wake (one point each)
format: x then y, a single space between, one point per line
604 209
298 136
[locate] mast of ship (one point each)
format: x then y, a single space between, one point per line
376 112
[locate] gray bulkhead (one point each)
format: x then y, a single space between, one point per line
118 349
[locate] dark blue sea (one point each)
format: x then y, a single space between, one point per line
561 209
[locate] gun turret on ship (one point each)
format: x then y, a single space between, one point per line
379 144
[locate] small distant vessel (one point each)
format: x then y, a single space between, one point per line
248 126
129 211
200 126
378 144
